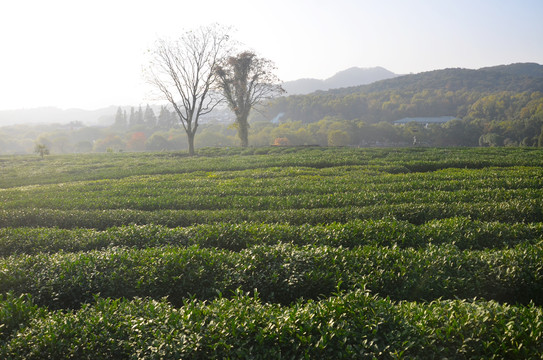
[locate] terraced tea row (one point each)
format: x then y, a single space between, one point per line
281 273
28 170
464 233
287 192
513 211
352 325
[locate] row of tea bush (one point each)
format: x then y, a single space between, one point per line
463 232
353 325
513 211
281 273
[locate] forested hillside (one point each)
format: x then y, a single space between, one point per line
515 77
500 105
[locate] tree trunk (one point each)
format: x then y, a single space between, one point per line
243 131
190 137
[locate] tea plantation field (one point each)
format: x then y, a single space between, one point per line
273 253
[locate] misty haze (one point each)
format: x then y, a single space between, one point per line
508 97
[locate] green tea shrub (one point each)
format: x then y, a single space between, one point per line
463 232
348 325
281 273
527 211
16 312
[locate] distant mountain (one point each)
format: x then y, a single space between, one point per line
358 76
517 77
347 78
52 115
303 86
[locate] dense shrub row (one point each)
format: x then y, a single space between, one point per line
462 232
513 211
295 225
108 201
280 273
27 170
275 189
345 326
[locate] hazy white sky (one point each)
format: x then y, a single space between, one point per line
89 54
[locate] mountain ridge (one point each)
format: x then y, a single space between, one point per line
51 115
353 76
516 77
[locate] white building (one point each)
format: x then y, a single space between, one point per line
425 120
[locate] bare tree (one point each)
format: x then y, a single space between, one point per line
183 72
246 80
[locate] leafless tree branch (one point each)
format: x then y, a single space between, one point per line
182 71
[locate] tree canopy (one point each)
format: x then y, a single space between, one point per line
246 80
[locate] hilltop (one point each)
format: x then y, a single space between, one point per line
354 76
518 77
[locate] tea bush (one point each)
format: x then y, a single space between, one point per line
348 253
349 325
514 211
462 232
281 273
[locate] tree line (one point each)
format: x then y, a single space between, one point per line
144 118
484 119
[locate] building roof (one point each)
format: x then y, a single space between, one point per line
426 120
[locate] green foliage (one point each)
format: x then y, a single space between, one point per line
281 273
16 312
24 170
509 212
154 255
306 185
464 233
350 325
368 112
